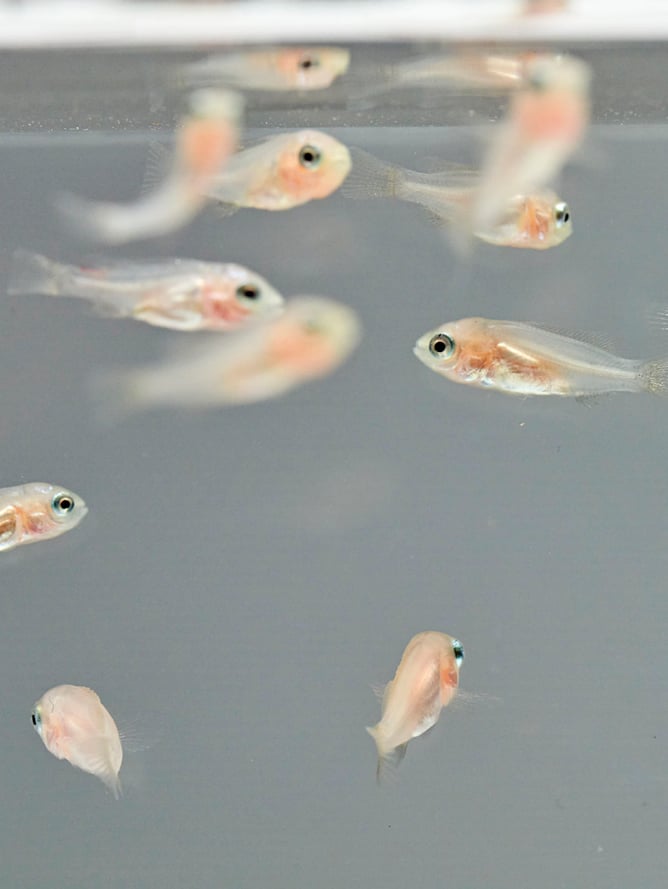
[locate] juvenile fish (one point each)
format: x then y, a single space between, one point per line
309 340
522 359
280 69
180 294
75 725
545 123
204 141
426 681
538 221
282 172
37 511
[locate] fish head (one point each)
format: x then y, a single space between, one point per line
459 350
538 222
237 296
313 68
49 510
312 165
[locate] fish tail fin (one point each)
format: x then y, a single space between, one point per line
116 395
653 376
94 220
371 177
388 758
33 273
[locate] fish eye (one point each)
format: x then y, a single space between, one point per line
441 346
308 62
310 157
248 291
561 213
62 504
36 718
458 651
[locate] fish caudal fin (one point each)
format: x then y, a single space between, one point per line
116 395
654 376
33 273
388 758
370 177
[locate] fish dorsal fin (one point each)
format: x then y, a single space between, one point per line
592 338
158 166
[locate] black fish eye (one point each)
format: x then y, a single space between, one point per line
34 719
307 63
561 213
248 291
458 651
441 345
62 504
309 157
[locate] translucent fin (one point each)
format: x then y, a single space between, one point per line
222 209
116 395
158 167
388 760
371 177
592 338
32 273
654 376
657 317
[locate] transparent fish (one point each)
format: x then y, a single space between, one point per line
309 340
180 294
204 141
545 123
523 359
538 221
75 725
278 70
37 511
426 681
282 172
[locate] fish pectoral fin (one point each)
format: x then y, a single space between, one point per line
222 209
437 219
158 163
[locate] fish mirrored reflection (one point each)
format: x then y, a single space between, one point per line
525 359
309 340
37 511
425 682
204 141
538 221
180 294
75 725
281 69
282 172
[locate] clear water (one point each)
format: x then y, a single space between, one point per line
245 576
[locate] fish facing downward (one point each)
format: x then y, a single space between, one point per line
537 221
204 140
75 725
426 681
277 70
180 294
282 172
524 359
37 511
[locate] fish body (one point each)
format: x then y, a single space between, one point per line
283 172
180 294
523 359
75 725
283 69
309 340
204 141
545 123
37 511
537 221
426 680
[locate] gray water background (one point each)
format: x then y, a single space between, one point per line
245 576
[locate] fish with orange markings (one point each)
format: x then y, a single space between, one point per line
537 222
37 511
75 725
180 294
309 340
545 123
425 682
205 140
282 172
525 359
281 69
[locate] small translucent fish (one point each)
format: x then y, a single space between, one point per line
75 725
537 221
277 70
523 359
181 294
544 125
309 340
426 681
205 139
282 172
37 511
